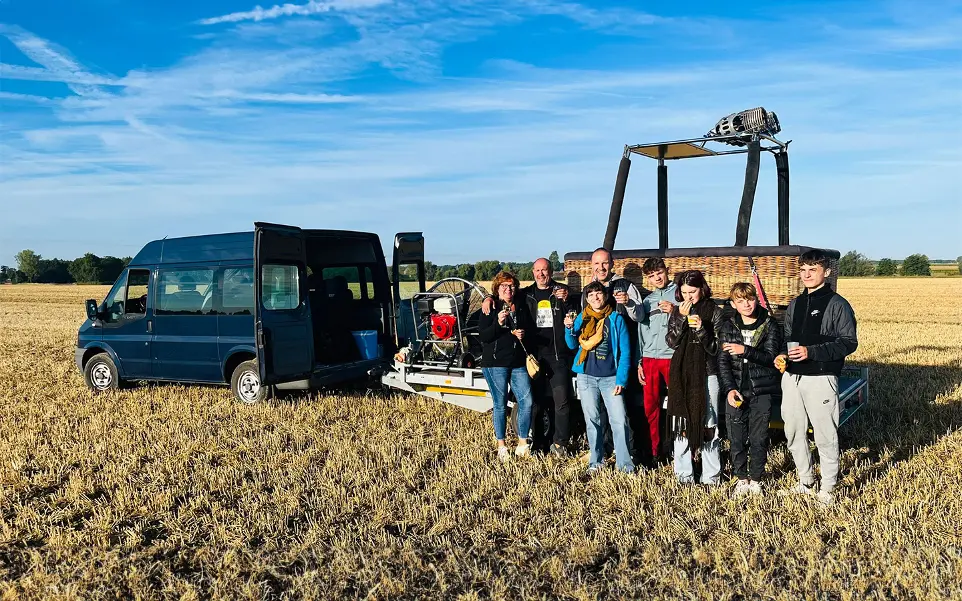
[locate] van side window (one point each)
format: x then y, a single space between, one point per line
185 291
279 287
238 291
128 296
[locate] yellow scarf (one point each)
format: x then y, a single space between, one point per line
592 330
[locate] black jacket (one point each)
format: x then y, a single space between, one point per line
763 377
500 347
677 323
553 344
824 323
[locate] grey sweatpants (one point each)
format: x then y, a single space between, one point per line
812 399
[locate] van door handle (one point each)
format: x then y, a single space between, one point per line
150 326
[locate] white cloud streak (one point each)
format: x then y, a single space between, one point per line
313 7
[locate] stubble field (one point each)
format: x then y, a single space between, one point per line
180 492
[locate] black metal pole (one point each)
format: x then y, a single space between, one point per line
662 199
781 167
617 200
748 193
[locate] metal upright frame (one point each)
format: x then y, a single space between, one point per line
754 145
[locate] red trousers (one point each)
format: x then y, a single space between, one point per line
656 387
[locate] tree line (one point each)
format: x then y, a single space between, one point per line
88 269
481 271
91 269
855 264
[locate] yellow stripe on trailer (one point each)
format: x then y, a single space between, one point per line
464 391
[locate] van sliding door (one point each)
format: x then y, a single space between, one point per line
282 318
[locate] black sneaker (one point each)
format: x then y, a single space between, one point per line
559 451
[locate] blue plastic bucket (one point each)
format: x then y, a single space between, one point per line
367 343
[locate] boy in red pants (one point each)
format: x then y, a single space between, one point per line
655 352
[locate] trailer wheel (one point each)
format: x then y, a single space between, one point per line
100 373
245 382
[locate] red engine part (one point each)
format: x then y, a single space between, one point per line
442 326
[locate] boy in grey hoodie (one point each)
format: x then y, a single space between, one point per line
820 326
656 355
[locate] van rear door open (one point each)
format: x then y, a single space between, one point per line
408 251
282 318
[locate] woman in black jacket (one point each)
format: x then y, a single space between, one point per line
750 340
693 378
503 361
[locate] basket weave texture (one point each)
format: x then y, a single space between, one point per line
778 274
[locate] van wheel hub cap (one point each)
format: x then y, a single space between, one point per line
248 386
100 375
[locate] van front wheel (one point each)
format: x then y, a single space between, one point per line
100 373
246 383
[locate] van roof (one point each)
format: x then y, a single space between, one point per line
237 246
234 246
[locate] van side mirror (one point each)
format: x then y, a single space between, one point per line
92 309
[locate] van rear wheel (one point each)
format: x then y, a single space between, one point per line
245 382
100 373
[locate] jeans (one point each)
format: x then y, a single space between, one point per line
593 391
749 424
497 379
710 450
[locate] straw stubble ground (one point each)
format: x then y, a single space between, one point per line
180 492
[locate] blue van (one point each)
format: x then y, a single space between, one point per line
276 307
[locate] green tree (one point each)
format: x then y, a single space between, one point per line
4 273
28 262
555 260
486 270
86 269
916 265
958 263
855 264
111 268
54 271
430 271
886 267
465 271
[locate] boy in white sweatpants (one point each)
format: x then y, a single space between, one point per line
820 331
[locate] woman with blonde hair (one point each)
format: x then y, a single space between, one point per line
503 361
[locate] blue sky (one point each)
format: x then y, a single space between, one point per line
494 127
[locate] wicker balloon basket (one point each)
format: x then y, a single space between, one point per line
777 268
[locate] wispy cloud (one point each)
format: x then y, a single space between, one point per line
289 10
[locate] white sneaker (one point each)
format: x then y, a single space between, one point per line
798 489
741 489
523 450
754 488
825 498
504 454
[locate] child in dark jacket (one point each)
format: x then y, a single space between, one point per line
749 339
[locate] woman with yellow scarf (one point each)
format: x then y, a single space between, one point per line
602 364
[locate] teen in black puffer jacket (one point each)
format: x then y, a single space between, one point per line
749 339
759 358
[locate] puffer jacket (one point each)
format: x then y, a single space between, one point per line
763 378
678 323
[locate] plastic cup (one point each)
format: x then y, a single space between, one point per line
691 320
